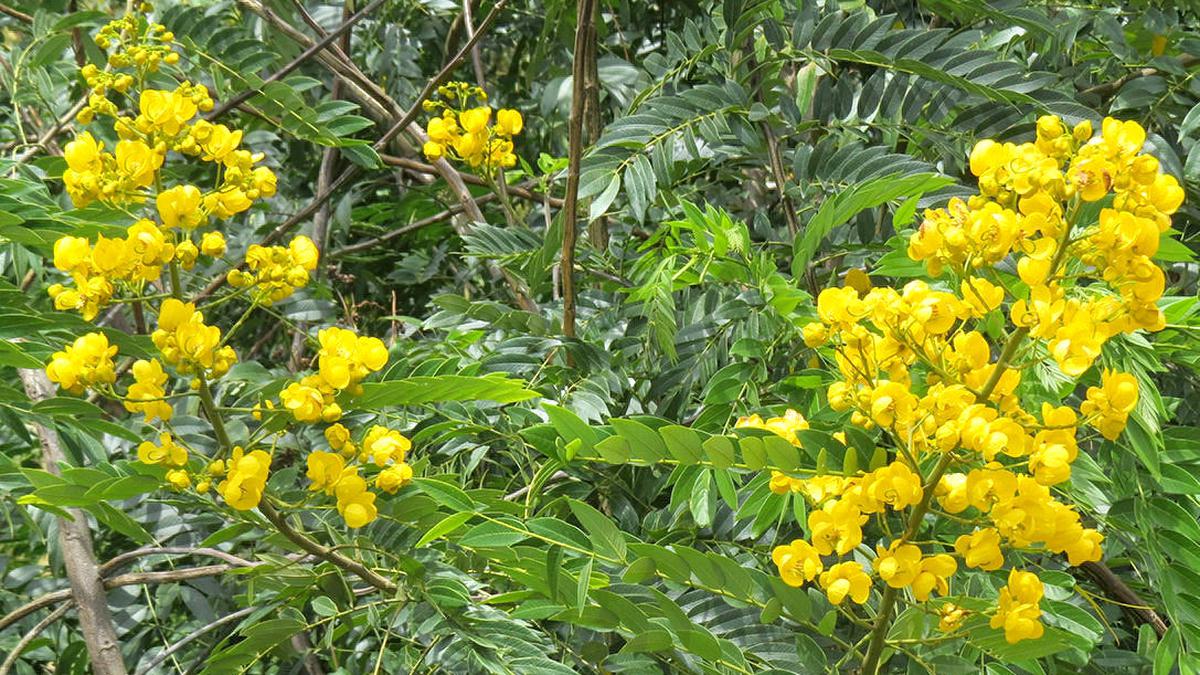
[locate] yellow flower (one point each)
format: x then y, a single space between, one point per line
337 436
433 151
933 575
354 501
950 617
83 154
346 358
324 470
246 478
180 480
1108 406
509 122
836 527
167 452
382 444
87 362
166 111
475 120
1019 612
898 564
146 394
895 485
212 244
73 255
180 207
186 253
394 477
981 295
137 162
305 403
798 562
846 579
980 549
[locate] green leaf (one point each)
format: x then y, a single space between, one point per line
445 526
848 203
607 539
445 494
442 388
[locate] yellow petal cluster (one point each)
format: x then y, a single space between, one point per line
465 132
275 272
87 362
98 270
245 478
345 358
148 391
917 366
188 343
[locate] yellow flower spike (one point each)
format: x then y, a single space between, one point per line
846 580
798 562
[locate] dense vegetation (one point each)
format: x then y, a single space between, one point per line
626 336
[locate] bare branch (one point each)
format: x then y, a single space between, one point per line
191 636
585 14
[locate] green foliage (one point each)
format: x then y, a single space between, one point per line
584 504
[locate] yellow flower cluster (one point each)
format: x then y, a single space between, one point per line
137 44
147 394
1029 196
330 473
915 364
464 130
87 362
343 360
97 269
276 271
188 343
246 478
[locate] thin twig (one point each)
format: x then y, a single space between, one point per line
1108 88
470 179
296 62
187 639
16 14
37 629
323 552
476 60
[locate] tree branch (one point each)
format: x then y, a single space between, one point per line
75 541
585 14
187 639
296 62
37 629
1132 604
1108 88
304 542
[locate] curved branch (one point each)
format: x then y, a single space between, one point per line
187 639
11 659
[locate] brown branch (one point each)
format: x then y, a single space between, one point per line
1132 604
130 556
598 228
585 14
476 59
323 552
75 541
1108 88
187 639
37 629
296 62
130 579
16 14
399 231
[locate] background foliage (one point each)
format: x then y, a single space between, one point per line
599 516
